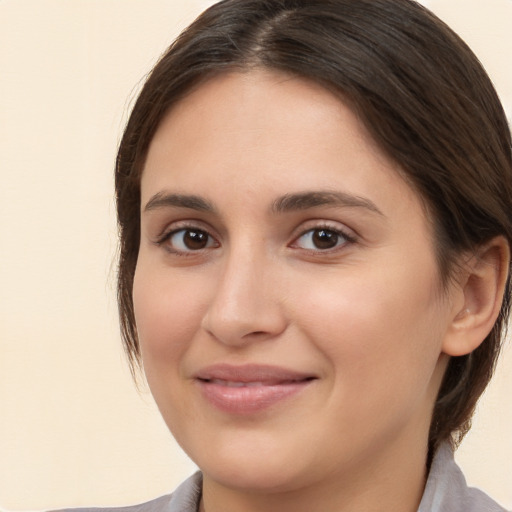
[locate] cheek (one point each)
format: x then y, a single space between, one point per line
167 313
379 330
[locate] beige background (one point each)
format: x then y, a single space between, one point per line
73 429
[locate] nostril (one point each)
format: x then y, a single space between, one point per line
255 335
238 322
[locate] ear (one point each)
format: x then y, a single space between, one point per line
480 289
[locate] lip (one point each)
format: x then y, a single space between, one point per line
250 388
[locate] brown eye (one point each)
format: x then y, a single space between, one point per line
324 239
321 239
186 240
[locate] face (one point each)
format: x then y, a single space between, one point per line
286 295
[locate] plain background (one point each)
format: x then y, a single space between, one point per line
73 429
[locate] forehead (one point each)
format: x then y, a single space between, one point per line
263 134
260 110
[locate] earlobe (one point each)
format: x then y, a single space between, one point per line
482 283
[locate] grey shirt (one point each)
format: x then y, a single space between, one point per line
446 491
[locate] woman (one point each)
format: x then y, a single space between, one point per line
313 201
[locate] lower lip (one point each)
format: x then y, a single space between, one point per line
249 399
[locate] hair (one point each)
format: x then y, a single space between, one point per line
422 95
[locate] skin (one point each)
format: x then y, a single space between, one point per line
367 317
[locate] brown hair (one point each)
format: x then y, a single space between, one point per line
421 93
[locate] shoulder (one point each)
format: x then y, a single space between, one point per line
184 499
161 504
447 491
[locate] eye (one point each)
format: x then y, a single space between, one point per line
188 240
321 239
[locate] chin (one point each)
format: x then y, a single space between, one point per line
259 477
255 465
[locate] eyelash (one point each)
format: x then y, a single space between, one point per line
340 233
166 237
336 231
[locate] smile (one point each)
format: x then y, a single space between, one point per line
249 389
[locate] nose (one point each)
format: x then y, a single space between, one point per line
246 303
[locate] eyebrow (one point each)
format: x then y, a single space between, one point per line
286 203
305 200
164 200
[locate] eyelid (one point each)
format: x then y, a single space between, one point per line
177 225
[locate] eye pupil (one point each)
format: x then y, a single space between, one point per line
325 239
195 240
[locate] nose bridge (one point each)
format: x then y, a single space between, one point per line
244 305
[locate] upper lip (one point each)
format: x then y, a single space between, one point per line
267 374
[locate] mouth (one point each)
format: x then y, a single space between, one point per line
238 384
250 389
